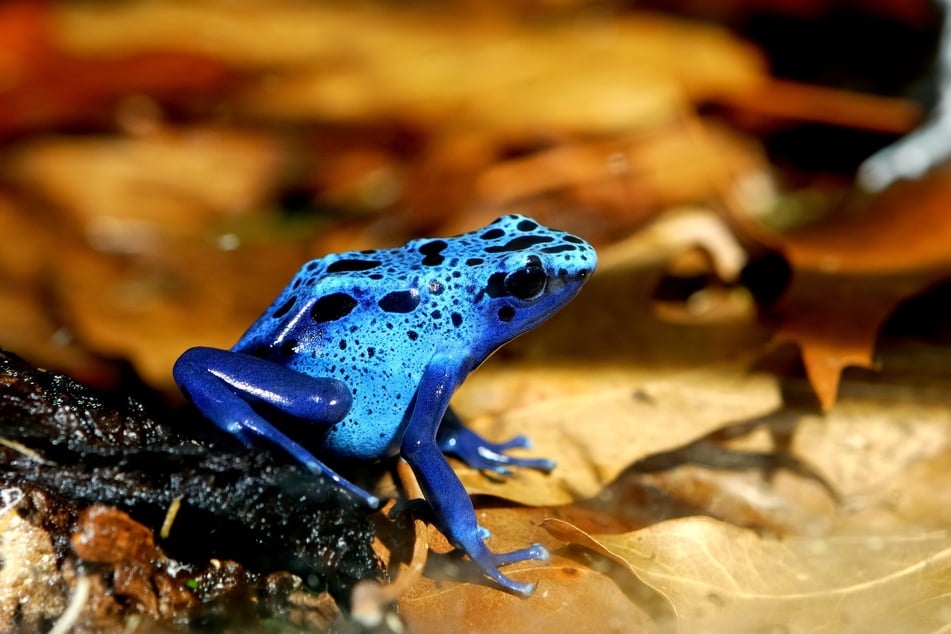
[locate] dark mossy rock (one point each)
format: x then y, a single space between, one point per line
234 504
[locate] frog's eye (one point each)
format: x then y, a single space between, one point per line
527 282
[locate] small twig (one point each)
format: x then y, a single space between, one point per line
24 450
170 516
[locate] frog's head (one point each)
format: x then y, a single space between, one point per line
529 272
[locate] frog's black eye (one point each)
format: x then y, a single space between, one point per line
527 282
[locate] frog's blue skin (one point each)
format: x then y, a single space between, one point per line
364 349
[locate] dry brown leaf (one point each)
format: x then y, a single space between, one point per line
569 597
746 492
105 535
44 87
882 449
850 274
595 436
26 323
921 495
780 99
720 578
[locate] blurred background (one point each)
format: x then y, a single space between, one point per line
166 166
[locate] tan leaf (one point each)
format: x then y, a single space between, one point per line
594 436
150 309
720 578
569 597
883 455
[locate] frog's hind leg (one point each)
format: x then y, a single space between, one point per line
457 440
222 384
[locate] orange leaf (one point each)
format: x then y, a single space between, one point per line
849 274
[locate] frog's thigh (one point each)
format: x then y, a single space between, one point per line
305 397
212 378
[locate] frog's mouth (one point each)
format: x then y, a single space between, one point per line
557 283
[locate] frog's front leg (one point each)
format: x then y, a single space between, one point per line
448 498
222 384
458 440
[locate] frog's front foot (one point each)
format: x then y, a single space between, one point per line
488 456
458 440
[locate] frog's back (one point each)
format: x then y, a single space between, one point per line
374 319
356 317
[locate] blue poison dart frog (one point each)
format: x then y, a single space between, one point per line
363 350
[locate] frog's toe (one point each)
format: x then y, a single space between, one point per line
535 552
539 464
486 459
496 469
518 442
485 455
495 459
516 587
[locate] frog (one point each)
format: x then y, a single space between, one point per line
362 351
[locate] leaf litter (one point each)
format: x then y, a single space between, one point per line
699 487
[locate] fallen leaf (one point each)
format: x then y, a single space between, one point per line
720 578
26 324
745 490
631 422
139 573
851 272
869 449
791 101
570 596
